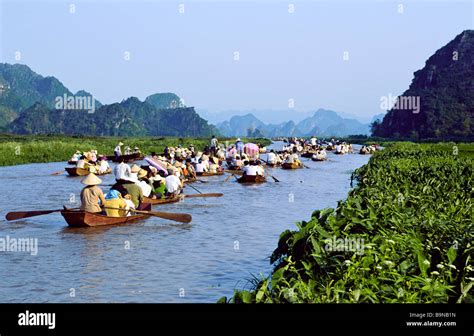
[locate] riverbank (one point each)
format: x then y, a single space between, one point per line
404 234
22 149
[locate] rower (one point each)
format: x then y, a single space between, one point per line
252 169
92 194
214 143
239 146
118 150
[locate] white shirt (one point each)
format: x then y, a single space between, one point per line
145 187
118 150
104 165
251 170
213 142
313 141
80 164
199 168
272 157
172 183
122 171
338 148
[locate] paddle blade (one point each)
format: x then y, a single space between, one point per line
25 214
205 195
177 217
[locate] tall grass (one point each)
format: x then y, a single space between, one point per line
16 149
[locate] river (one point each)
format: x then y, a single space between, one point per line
228 242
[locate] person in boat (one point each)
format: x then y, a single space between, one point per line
88 164
293 158
145 184
118 150
239 146
129 204
103 164
338 149
137 151
221 154
252 169
115 205
237 162
135 192
173 183
205 162
200 168
214 165
191 172
122 171
272 158
76 156
213 147
81 162
134 172
91 195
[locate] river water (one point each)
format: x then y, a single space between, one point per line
228 242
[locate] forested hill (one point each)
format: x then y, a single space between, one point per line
445 87
128 118
28 105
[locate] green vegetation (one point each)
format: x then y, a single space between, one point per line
20 149
411 214
28 105
444 88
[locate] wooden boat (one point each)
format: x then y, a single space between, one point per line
74 171
307 154
319 159
161 200
210 174
72 162
273 165
339 153
127 158
251 179
294 165
79 218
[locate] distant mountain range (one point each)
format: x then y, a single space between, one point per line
440 100
322 123
33 104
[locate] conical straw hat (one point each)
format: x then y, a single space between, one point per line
91 180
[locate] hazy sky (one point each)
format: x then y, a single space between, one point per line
283 55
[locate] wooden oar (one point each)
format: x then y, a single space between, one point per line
177 217
273 177
194 188
228 177
204 195
25 214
